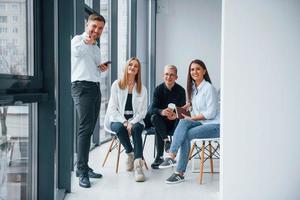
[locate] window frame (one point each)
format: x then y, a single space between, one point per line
17 84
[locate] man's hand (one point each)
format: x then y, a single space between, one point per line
187 106
89 40
168 112
172 116
103 67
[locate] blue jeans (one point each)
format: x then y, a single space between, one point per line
187 130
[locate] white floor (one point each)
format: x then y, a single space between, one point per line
122 185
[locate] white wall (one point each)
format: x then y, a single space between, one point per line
261 100
187 30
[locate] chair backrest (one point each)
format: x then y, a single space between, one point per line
107 124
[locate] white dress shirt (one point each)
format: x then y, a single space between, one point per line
117 101
205 102
85 60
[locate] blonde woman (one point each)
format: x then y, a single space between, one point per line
128 107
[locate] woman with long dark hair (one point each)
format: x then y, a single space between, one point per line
203 123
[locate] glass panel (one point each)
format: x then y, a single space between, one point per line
15 27
122 35
105 56
89 3
17 163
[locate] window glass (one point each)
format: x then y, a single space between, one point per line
89 3
122 35
14 48
17 136
105 56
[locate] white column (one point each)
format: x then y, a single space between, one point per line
260 100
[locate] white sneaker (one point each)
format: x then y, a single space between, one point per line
129 162
138 172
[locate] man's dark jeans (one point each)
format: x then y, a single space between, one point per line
87 99
163 129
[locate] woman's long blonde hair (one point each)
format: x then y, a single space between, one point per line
124 81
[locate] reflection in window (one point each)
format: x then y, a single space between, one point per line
122 34
3 19
15 18
3 30
89 3
105 56
16 147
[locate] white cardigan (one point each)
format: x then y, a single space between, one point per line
117 101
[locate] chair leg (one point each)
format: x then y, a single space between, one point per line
154 150
118 157
109 150
192 151
202 161
210 158
145 139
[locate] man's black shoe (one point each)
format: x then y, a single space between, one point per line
157 162
167 146
91 174
84 180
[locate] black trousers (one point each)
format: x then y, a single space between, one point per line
87 99
163 129
123 136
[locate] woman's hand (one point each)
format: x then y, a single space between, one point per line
187 106
187 117
129 127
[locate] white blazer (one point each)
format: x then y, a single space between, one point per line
117 101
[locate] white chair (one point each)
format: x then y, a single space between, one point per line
205 152
115 143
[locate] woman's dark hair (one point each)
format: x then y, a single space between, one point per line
190 81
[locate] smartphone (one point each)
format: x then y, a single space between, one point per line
107 62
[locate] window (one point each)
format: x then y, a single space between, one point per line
3 30
14 41
14 6
89 3
22 63
123 19
2 7
3 19
15 30
3 52
15 18
3 42
105 56
17 157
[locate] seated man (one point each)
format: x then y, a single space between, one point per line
163 118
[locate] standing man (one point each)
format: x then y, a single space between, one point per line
163 118
85 76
